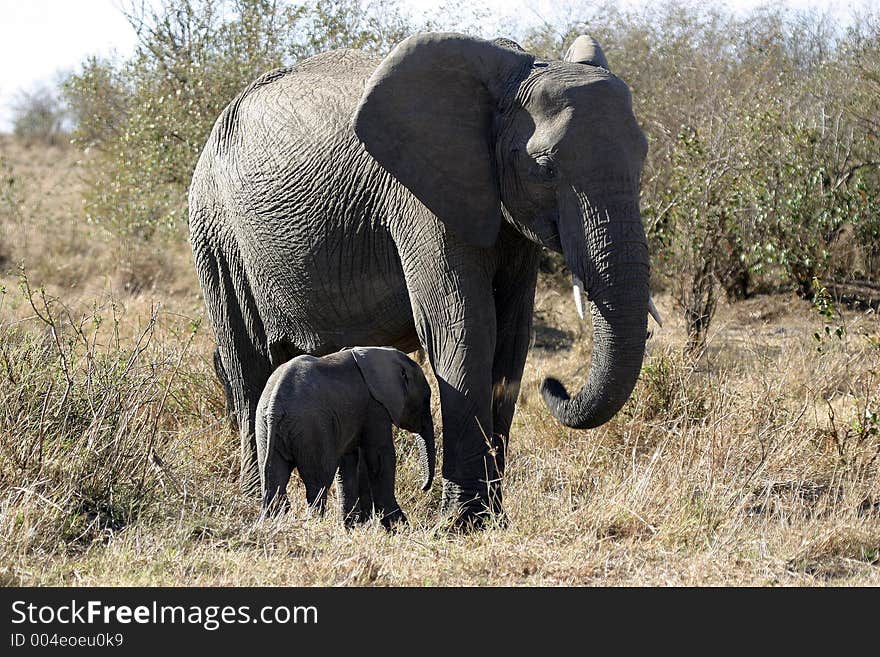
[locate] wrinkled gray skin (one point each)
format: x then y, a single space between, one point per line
317 414
228 395
404 201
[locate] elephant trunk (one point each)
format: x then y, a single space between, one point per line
427 451
609 253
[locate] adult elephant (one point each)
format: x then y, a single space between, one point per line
403 201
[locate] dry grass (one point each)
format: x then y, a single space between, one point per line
758 465
44 228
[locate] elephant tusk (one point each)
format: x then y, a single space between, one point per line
652 310
577 290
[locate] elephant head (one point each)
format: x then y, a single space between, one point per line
399 385
481 132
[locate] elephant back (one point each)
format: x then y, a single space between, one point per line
317 93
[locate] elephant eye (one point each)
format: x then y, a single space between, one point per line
545 170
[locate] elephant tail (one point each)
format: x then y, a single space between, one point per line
427 457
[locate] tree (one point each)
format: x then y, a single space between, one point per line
148 117
39 115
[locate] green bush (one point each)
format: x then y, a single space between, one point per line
763 162
147 118
39 115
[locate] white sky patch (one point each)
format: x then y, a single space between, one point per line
40 38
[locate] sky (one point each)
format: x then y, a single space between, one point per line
41 38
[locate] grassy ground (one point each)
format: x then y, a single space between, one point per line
757 465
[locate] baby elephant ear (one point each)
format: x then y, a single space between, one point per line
385 371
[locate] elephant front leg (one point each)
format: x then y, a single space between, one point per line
471 480
455 318
380 463
515 284
354 486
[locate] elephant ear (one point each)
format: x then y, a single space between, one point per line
385 372
586 50
426 115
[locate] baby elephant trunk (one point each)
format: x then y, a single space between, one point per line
427 451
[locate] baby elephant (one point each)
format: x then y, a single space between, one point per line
317 414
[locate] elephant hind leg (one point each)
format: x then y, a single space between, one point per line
237 324
276 475
220 372
248 371
365 493
275 463
316 496
317 471
353 507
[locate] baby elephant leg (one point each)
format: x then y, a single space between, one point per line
316 495
317 462
353 507
365 494
275 474
317 473
275 469
377 449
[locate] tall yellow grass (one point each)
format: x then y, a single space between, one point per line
756 464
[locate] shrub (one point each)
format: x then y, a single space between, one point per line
763 157
39 115
148 117
763 160
85 420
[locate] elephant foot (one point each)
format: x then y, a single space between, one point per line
274 508
473 508
394 520
354 519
